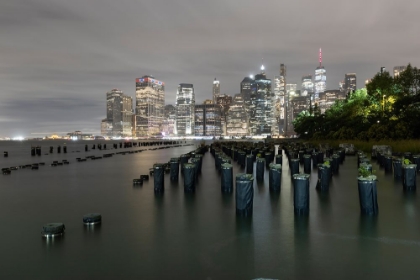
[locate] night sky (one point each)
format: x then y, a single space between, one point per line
59 58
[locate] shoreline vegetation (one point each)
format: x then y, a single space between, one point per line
386 111
398 146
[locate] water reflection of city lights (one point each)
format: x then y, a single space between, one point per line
92 228
52 240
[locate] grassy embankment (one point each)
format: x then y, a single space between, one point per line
399 146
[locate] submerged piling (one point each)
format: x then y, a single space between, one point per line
260 169
301 194
368 195
227 178
274 177
244 194
189 177
158 175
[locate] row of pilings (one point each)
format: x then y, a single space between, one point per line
35 166
37 150
188 165
265 156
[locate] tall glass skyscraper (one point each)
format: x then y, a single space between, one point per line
216 108
150 103
216 90
223 102
119 112
291 92
307 87
320 78
279 102
307 90
261 114
185 103
350 82
207 119
237 120
169 120
247 88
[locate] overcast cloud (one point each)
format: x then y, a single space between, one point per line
59 58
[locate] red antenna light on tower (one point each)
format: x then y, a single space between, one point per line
320 57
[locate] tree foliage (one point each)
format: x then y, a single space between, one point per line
388 108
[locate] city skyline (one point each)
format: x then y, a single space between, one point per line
59 58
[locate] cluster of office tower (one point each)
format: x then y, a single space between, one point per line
262 107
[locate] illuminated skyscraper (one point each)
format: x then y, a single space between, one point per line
150 103
216 89
398 70
279 102
207 119
247 88
237 120
328 98
383 70
350 82
307 87
261 114
342 86
320 78
299 104
277 106
185 103
307 90
168 124
224 101
291 88
291 92
212 114
119 112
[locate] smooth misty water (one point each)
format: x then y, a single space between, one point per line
198 236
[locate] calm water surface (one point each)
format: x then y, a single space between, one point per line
194 236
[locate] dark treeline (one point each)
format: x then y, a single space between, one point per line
389 108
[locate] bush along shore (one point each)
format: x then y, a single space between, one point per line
398 146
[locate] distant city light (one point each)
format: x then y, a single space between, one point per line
18 138
251 76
